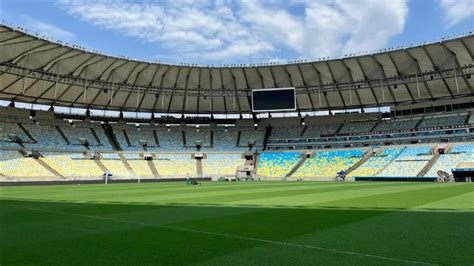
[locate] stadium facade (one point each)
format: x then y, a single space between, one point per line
427 88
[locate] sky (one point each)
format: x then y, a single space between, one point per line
243 31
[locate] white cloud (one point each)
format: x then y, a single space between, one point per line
248 30
457 10
47 29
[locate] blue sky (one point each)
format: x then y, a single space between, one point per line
243 31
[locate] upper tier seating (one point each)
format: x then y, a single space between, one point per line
395 125
192 135
175 165
443 121
9 127
134 135
356 127
47 136
76 132
13 164
318 130
409 163
376 163
286 132
329 163
225 141
277 164
251 135
221 164
446 162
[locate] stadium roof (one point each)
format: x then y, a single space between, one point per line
36 70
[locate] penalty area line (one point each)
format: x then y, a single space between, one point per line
267 241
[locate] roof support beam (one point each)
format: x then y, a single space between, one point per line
368 82
134 82
320 81
248 89
199 91
467 49
456 62
48 66
174 86
351 79
303 80
107 80
384 77
399 74
418 69
185 104
11 84
236 98
25 53
261 77
146 88
335 83
161 87
275 85
43 93
9 40
84 66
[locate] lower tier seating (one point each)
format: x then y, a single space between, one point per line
329 163
376 163
277 164
13 164
73 165
446 162
221 164
116 167
409 163
140 167
175 165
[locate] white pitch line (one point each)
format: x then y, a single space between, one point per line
275 242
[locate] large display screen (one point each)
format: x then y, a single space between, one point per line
269 100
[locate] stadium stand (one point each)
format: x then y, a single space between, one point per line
170 139
377 163
175 165
286 132
221 164
357 126
251 135
318 131
277 164
114 165
226 140
73 165
443 121
460 153
329 163
408 163
396 124
203 134
13 164
9 127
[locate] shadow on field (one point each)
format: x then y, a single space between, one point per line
42 232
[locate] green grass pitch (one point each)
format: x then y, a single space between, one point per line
254 223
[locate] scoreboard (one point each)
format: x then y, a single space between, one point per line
275 99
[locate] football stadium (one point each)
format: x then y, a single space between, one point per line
363 159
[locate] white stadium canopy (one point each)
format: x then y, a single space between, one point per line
36 70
